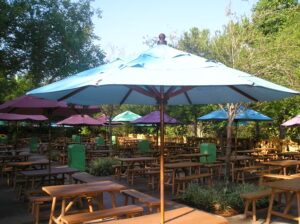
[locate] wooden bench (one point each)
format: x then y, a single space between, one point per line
128 210
34 203
149 201
182 181
252 197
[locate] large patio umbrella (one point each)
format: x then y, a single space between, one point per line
79 119
21 117
242 114
32 105
292 122
27 104
126 116
153 118
160 76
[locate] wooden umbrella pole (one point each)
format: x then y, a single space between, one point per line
162 145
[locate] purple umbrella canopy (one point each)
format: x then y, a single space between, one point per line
292 122
154 118
32 105
21 117
79 119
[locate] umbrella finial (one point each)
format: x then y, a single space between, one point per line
162 40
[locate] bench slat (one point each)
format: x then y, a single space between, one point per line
111 212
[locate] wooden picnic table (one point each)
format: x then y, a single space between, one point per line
176 167
185 214
235 160
284 164
193 156
132 162
290 155
73 192
292 186
142 161
33 163
9 158
33 175
248 152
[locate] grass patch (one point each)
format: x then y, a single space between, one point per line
220 199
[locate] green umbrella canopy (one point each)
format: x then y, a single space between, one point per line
126 116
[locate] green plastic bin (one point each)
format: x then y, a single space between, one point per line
76 138
33 144
143 146
208 148
76 157
4 140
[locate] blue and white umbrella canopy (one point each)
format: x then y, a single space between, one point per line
186 78
242 114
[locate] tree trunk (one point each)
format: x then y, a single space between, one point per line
196 127
228 149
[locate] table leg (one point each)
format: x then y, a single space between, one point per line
289 204
99 200
284 171
52 210
298 205
113 199
270 207
63 207
173 181
232 172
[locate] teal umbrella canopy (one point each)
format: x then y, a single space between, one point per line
186 78
126 116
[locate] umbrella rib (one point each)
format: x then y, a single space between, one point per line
153 90
182 90
243 93
188 98
142 91
126 96
72 93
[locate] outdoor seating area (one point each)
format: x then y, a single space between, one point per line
54 186
103 121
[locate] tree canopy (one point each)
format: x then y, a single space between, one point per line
43 41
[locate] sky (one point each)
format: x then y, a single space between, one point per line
125 24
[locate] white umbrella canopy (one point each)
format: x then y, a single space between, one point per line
163 75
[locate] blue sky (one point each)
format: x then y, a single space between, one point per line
124 23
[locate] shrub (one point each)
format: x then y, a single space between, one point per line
103 166
220 199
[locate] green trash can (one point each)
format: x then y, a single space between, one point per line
143 146
4 140
76 138
76 157
208 148
33 144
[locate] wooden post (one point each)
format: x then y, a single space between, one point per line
162 145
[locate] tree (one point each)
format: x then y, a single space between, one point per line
46 40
